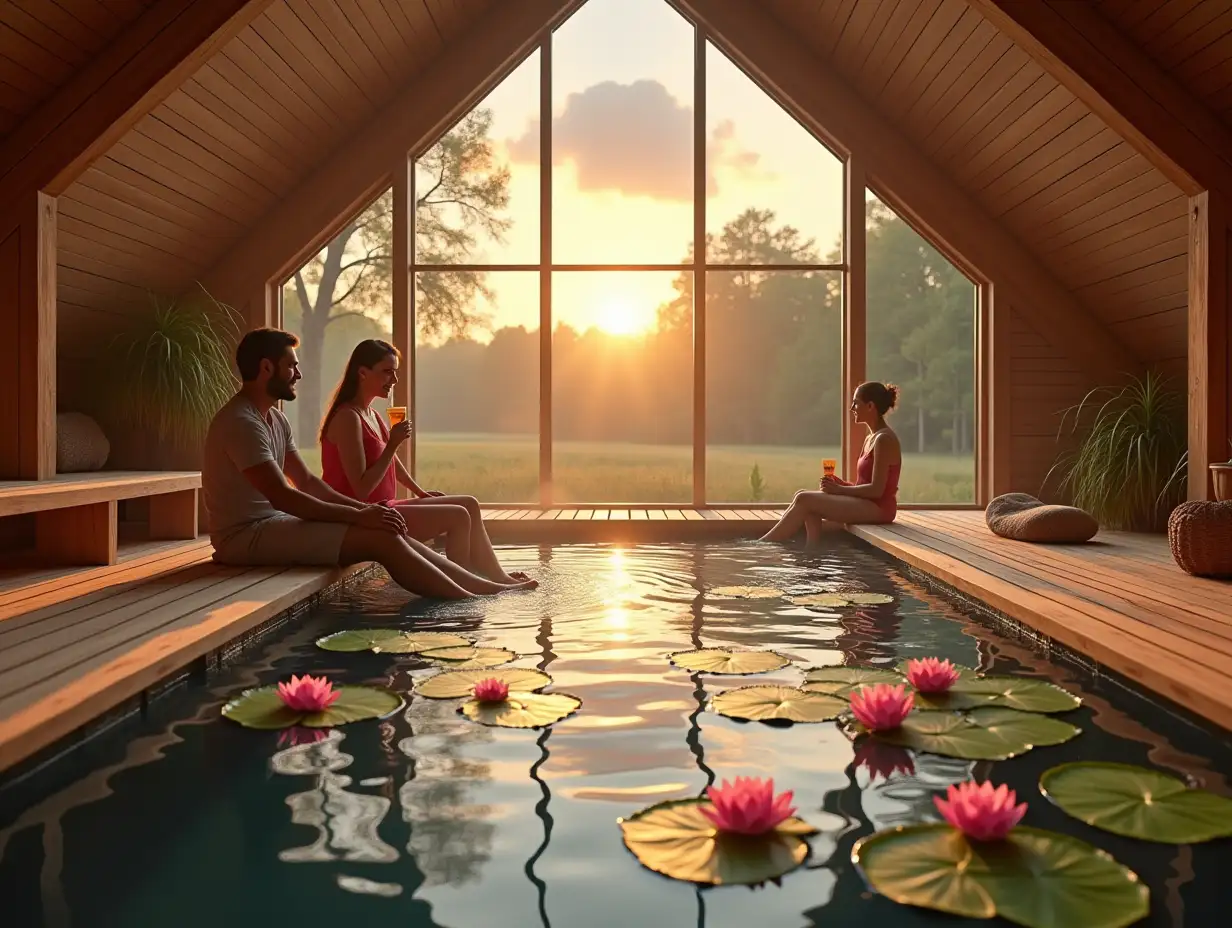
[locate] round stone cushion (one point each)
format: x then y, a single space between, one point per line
80 444
1022 517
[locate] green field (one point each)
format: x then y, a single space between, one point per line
499 469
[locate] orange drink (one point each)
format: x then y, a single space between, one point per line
828 466
396 414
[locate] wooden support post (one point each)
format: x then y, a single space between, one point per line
700 148
173 516
993 382
1210 340
855 309
79 535
403 296
28 341
545 272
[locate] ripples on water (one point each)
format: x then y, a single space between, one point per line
426 819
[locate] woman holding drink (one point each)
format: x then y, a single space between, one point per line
359 458
873 498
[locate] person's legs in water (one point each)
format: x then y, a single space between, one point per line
415 567
828 507
464 577
482 553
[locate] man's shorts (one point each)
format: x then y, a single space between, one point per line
281 541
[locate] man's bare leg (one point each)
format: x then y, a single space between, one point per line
408 567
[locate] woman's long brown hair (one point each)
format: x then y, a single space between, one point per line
368 353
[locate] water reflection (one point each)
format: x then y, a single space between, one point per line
496 826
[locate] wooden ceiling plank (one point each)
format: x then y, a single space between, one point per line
1010 78
1123 206
1206 24
937 72
98 20
41 36
359 166
1068 149
215 93
1017 101
381 48
251 56
969 63
106 98
1103 173
27 81
859 21
1078 161
1057 111
325 20
168 170
1113 287
112 179
881 38
168 129
1123 86
887 55
314 63
911 183
890 16
421 24
167 148
923 50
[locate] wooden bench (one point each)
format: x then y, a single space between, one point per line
76 516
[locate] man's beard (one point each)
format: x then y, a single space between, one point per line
280 389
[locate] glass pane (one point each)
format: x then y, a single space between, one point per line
622 387
477 189
764 167
477 384
773 382
622 135
921 336
339 298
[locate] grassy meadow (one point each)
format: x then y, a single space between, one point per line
505 469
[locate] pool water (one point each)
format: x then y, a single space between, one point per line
426 819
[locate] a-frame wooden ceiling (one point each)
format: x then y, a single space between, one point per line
181 189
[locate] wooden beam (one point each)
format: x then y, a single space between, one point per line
303 222
995 383
1107 71
906 181
28 340
855 308
1210 340
140 68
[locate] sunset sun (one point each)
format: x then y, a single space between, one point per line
619 314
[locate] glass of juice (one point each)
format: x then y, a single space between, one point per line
828 466
396 414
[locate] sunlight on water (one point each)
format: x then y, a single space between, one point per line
426 819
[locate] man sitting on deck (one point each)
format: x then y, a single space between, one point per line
257 518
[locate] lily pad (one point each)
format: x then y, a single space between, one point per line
840 681
820 600
264 708
390 640
522 710
747 592
674 838
728 661
454 684
982 734
784 703
1026 695
1033 878
1137 802
868 599
465 658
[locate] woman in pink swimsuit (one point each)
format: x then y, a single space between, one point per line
873 498
358 459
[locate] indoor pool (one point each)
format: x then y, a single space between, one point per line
426 818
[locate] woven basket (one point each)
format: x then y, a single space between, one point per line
1200 534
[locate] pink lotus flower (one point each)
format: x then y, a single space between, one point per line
491 690
881 707
883 760
747 807
308 694
979 811
931 675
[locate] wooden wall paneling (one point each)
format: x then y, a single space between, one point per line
1210 352
95 108
359 167
28 340
79 535
914 187
1123 86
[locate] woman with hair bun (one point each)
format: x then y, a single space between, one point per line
873 498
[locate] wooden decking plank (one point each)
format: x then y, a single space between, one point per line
89 581
1105 637
692 515
54 707
674 515
1206 628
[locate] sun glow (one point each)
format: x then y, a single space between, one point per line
620 314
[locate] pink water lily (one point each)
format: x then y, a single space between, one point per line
979 811
491 690
747 807
308 694
881 707
931 675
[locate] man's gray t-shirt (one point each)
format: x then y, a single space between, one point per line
239 438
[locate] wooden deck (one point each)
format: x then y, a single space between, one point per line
625 524
1120 600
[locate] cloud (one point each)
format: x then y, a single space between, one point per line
635 139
